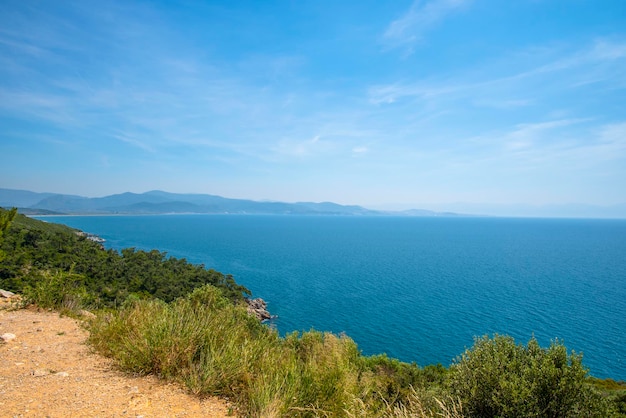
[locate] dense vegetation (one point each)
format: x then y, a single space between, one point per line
36 251
184 323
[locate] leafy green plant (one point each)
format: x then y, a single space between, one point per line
6 217
499 378
614 392
58 290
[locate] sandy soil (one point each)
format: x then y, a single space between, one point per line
48 371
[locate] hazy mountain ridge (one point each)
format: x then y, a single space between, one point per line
159 202
21 198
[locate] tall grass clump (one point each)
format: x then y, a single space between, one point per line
215 347
60 290
202 339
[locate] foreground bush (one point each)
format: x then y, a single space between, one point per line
499 378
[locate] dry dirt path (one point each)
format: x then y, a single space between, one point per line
49 371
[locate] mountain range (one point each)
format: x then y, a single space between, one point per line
159 202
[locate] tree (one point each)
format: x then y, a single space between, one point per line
6 217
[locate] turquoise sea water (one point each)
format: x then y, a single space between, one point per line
418 289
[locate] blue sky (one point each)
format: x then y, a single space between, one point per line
466 105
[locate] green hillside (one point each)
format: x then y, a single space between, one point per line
36 251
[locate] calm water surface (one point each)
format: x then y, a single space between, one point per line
418 289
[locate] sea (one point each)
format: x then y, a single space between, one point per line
419 289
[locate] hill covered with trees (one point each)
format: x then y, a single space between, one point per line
37 251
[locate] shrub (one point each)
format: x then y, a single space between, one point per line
498 378
58 290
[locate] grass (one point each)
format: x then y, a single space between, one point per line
215 348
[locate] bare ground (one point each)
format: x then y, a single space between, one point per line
49 371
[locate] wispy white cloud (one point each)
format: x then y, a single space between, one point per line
360 150
561 145
39 106
608 143
303 148
134 141
409 29
604 50
532 131
602 61
506 103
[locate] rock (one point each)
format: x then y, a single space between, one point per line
9 300
62 374
258 308
7 337
39 373
87 314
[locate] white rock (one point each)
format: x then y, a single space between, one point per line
39 373
7 337
87 314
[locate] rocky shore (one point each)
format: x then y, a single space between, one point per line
258 308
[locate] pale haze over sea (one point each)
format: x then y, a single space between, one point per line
470 106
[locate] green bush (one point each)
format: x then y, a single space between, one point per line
394 383
59 290
499 378
614 392
6 216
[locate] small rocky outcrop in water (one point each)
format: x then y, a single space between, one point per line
258 308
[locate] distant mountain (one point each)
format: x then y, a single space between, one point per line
21 198
424 212
158 202
571 210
